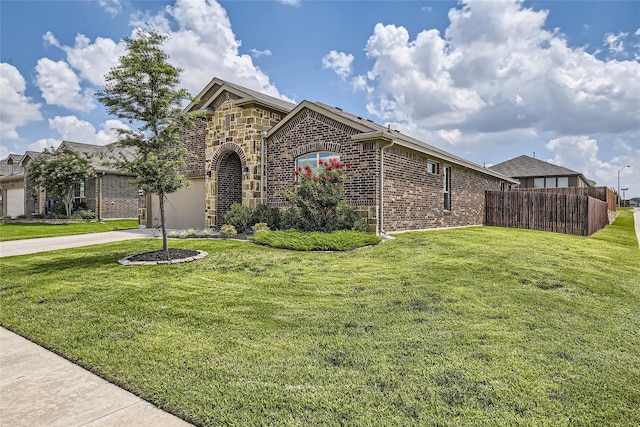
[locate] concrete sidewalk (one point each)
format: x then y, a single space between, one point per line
40 388
31 246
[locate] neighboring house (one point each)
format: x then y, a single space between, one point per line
534 173
15 190
254 142
110 194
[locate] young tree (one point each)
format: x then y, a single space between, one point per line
59 173
143 90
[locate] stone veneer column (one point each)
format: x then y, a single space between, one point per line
239 125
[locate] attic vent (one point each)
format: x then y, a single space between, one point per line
369 120
359 118
338 108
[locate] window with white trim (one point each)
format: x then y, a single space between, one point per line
563 181
79 193
313 159
550 182
432 167
446 187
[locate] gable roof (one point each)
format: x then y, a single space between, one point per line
525 167
99 154
218 86
28 155
372 131
10 165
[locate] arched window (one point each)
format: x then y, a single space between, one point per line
313 159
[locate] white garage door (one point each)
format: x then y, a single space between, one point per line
15 202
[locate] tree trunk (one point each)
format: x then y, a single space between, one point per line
68 203
163 224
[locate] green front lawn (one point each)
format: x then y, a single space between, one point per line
475 326
21 231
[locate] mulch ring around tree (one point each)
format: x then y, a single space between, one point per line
176 256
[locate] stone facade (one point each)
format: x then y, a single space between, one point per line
232 155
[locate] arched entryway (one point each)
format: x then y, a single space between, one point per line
229 184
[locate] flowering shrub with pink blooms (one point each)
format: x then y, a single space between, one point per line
317 200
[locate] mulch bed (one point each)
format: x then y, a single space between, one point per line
161 256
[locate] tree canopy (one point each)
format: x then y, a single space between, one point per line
59 172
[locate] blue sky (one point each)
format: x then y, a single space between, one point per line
485 80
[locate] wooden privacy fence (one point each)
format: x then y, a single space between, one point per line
561 213
601 193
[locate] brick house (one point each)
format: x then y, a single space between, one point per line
15 189
110 194
535 173
254 142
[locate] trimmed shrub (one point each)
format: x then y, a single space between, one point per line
263 213
260 228
228 230
291 219
238 216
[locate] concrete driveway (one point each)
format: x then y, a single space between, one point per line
31 246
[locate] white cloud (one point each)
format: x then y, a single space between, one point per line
71 128
496 69
17 109
202 43
451 136
112 7
60 86
50 39
47 143
258 53
339 62
92 60
360 84
615 43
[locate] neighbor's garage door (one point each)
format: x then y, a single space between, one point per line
15 202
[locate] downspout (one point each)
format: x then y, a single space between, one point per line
381 216
263 135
